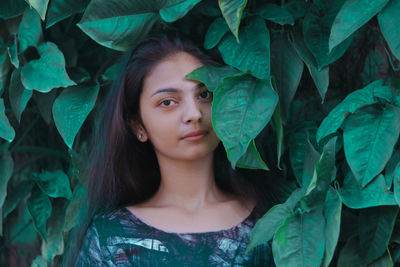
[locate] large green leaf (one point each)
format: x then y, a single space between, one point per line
252 159
44 102
352 15
316 28
177 9
350 104
369 136
332 214
54 184
6 130
374 194
47 72
39 207
390 168
6 170
75 209
62 9
252 53
266 226
13 199
324 174
232 11
389 20
310 158
286 68
212 76
12 50
275 13
375 228
71 108
350 255
10 9
54 245
18 95
242 107
396 183
320 77
119 24
40 6
300 240
30 30
215 32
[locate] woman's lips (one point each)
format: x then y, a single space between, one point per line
195 135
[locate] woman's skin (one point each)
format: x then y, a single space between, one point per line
188 200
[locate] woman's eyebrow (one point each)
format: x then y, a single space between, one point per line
175 90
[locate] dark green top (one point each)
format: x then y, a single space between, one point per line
121 239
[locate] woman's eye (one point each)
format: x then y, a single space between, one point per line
206 94
167 103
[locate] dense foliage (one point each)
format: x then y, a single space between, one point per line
310 90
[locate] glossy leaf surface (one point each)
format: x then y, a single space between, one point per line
275 13
389 20
369 137
59 10
215 32
30 30
177 9
18 95
232 11
212 76
40 6
253 51
71 108
47 72
54 184
6 130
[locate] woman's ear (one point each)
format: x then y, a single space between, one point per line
139 130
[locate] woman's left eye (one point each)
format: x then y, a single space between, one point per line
206 94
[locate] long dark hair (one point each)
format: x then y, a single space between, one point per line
125 171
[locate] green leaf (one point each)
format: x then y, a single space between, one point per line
54 184
18 95
47 72
12 50
310 159
39 207
4 69
332 214
275 13
6 130
266 226
242 107
212 76
119 24
352 15
396 183
350 255
75 210
369 136
277 123
215 32
232 11
252 53
40 6
320 78
374 194
55 242
6 170
390 168
297 8
252 159
300 240
13 199
44 102
39 261
316 29
384 261
62 9
286 68
71 108
177 10
11 9
350 104
375 228
324 174
389 20
30 30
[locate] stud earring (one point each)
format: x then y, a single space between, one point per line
140 136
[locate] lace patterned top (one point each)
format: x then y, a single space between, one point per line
122 239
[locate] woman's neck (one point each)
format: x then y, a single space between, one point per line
187 184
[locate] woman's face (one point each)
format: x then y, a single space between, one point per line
176 111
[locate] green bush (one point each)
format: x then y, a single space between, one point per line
272 110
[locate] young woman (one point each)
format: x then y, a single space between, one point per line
161 191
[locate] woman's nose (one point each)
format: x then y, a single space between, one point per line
192 112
